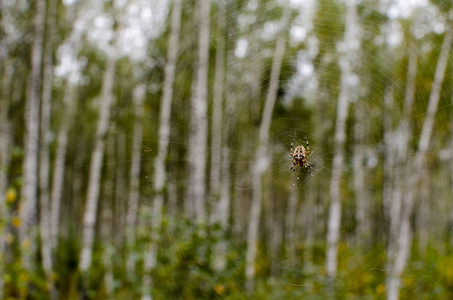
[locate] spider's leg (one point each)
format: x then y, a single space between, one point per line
308 147
293 166
292 143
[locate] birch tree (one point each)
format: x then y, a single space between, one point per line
404 239
262 160
164 139
134 182
28 210
44 158
220 152
401 138
94 180
196 190
217 110
68 52
346 61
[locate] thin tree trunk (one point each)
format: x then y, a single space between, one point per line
222 210
106 221
451 182
28 211
404 239
134 183
401 142
262 159
217 115
120 202
60 161
276 234
6 140
70 105
44 158
291 223
94 181
333 233
164 136
363 229
196 191
423 216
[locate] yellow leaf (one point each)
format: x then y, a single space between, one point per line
16 222
219 289
11 196
380 289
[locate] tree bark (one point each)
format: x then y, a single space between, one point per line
363 229
6 141
333 233
94 181
196 191
262 159
28 209
44 158
69 105
164 139
404 239
134 183
401 140
290 232
217 110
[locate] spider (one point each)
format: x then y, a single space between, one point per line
300 155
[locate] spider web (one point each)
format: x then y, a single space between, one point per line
305 108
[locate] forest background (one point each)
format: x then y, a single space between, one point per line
145 149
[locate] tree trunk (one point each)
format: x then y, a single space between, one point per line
134 183
404 239
290 232
69 102
333 233
198 122
44 158
107 222
401 142
363 229
94 181
6 141
164 136
28 210
262 160
69 105
120 202
217 118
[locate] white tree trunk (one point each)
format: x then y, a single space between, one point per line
404 239
164 139
120 202
60 161
401 142
44 158
28 211
217 110
196 191
262 159
134 183
363 229
106 222
94 181
333 230
69 104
